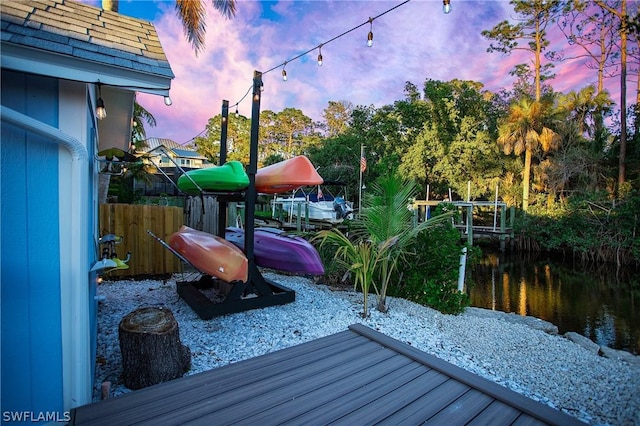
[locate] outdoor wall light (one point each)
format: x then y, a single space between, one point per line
168 101
101 111
446 6
370 35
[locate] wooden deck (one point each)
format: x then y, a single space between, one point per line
355 377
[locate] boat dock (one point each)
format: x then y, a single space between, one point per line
498 211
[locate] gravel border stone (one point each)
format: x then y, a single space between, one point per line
521 353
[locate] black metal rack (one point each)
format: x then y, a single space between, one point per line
257 291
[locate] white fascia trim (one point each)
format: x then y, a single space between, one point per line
36 61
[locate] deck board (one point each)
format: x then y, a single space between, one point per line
358 376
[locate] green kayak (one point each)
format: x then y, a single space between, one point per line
231 176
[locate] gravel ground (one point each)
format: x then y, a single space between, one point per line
542 366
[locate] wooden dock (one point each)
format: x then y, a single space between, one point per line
501 216
355 377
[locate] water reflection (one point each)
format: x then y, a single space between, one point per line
600 303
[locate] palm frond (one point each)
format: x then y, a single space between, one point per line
227 8
193 16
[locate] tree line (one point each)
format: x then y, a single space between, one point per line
542 149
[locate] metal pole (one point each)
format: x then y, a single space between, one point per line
223 132
495 210
251 171
360 185
222 205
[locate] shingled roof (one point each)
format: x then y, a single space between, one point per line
114 47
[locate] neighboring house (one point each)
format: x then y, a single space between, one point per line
172 159
57 58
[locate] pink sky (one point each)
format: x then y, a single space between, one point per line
412 43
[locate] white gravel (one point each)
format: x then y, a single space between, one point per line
545 367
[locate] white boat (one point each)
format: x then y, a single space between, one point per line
319 206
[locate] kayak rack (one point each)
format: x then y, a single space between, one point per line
257 292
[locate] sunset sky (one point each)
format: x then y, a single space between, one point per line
414 42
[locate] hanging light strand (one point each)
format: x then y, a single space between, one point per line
368 21
321 45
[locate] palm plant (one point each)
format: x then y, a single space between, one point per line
380 236
356 256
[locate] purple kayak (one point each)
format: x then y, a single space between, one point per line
274 248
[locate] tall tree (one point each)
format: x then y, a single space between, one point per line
456 144
524 131
591 28
619 11
534 18
238 136
336 116
586 108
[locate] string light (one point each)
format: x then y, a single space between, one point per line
370 35
101 111
237 113
284 72
446 6
320 55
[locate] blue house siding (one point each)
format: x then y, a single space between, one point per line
30 261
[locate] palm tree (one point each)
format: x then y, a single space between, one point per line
193 15
587 108
380 237
525 131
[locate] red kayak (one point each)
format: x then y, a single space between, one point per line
287 175
211 254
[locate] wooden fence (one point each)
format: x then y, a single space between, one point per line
131 221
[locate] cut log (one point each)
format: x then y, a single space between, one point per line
151 348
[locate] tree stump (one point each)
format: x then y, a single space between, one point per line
151 349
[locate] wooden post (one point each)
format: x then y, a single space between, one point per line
470 224
151 349
503 226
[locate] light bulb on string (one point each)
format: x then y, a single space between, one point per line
237 113
446 6
284 72
370 35
101 111
320 55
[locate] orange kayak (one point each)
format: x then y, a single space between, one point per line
287 175
211 254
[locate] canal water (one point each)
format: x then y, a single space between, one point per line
601 303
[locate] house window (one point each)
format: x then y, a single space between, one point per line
185 162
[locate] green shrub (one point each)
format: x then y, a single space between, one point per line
431 274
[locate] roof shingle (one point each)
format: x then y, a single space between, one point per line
84 32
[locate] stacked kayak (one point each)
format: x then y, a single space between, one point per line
287 175
275 249
211 254
231 176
